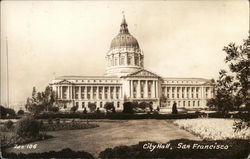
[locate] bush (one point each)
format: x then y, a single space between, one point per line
27 127
74 109
109 106
57 120
92 107
54 109
20 112
174 109
7 112
8 124
128 108
50 121
85 111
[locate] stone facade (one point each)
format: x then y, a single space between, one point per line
126 79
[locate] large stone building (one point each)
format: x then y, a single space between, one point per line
126 79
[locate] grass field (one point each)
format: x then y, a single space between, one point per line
110 134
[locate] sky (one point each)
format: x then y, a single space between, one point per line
53 38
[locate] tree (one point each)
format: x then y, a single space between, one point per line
41 101
174 109
238 58
223 100
74 109
92 107
109 106
233 90
7 112
27 127
20 112
128 108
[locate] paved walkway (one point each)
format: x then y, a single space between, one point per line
111 134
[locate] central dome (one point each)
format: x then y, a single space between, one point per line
124 55
124 38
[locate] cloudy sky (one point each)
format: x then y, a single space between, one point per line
53 38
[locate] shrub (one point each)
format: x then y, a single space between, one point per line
65 153
74 109
50 121
54 109
57 120
20 112
85 111
8 124
109 106
92 107
27 127
174 109
98 110
7 112
128 108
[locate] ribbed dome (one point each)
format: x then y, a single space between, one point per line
124 38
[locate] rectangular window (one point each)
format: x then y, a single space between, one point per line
118 104
100 104
184 103
77 104
83 104
193 103
198 103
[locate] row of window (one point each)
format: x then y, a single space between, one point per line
101 104
97 81
186 103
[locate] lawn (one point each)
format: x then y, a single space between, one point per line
110 134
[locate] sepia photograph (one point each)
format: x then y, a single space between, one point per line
125 79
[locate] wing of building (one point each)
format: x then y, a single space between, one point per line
125 79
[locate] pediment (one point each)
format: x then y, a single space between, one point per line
64 82
143 73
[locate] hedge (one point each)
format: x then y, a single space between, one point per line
116 116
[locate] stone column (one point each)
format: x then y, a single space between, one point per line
131 89
146 89
103 92
97 92
61 92
153 89
138 90
156 89
109 92
202 92
114 92
91 92
85 92
120 94
190 92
